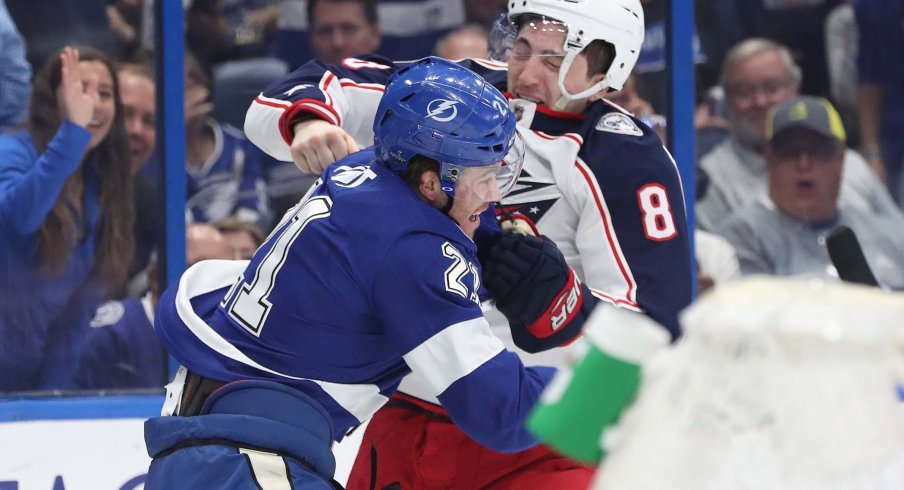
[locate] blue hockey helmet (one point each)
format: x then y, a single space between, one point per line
443 111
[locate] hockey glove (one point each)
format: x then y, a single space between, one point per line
540 295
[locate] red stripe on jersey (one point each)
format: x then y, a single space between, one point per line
572 136
611 299
325 82
310 106
279 104
594 189
345 82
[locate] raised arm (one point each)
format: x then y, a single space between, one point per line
319 113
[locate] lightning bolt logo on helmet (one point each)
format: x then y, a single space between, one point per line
436 110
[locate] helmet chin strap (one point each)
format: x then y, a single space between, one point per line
567 97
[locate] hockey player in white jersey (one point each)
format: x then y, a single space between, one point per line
596 180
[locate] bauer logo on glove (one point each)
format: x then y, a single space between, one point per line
537 291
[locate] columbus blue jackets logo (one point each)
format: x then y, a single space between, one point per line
442 110
616 122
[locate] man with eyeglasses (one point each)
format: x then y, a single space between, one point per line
758 74
785 233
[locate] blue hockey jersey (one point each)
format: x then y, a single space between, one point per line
230 182
121 350
600 183
361 284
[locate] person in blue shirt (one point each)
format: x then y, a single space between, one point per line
372 276
66 213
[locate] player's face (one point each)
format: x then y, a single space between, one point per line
755 86
105 107
805 174
340 29
534 65
475 189
137 94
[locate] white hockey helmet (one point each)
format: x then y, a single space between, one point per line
618 22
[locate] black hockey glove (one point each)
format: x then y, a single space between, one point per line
540 295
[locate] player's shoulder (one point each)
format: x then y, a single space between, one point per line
608 121
616 141
494 72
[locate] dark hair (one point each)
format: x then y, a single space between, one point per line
231 224
600 54
194 71
59 233
416 167
369 7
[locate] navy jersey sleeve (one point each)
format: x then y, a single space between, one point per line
632 224
425 294
346 95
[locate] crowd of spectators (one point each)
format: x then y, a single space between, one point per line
80 179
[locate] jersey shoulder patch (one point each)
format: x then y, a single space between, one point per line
108 314
617 122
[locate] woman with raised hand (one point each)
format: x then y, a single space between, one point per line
66 218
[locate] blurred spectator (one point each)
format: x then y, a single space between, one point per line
224 30
841 62
224 169
880 66
121 350
242 236
67 216
126 23
757 75
48 25
343 28
137 91
785 234
468 41
483 12
411 28
403 29
15 77
717 262
652 78
291 42
628 99
797 24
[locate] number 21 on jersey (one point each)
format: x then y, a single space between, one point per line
250 305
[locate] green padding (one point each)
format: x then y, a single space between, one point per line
601 387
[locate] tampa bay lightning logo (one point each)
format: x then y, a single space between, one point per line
442 110
345 176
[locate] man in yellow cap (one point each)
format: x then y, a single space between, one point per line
785 232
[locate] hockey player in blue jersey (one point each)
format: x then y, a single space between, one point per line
596 180
366 280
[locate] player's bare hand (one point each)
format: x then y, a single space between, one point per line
317 144
76 97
